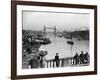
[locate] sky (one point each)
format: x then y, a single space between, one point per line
35 20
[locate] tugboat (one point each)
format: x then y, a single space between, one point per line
59 35
68 37
70 42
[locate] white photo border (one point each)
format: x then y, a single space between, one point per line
21 71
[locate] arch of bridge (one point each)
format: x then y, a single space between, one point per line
54 28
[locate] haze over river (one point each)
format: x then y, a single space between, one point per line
60 45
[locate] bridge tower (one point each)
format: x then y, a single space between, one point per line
44 29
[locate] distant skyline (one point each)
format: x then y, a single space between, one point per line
33 20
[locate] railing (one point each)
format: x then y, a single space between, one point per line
51 63
62 62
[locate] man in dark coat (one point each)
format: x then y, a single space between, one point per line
86 57
76 59
57 60
81 57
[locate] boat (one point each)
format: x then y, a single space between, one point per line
70 42
42 41
46 41
59 35
79 39
68 37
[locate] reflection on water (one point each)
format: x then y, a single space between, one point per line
59 44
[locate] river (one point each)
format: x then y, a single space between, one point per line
60 45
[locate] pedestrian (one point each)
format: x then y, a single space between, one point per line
57 60
86 57
43 58
34 62
81 57
76 59
43 61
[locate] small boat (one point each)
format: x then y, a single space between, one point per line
79 39
59 35
68 37
70 42
46 41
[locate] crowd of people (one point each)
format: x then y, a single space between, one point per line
38 59
83 58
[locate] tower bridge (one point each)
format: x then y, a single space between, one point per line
53 28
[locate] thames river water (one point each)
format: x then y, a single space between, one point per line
60 45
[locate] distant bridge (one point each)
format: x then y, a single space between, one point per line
53 28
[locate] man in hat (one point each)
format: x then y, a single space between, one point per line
57 60
76 59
